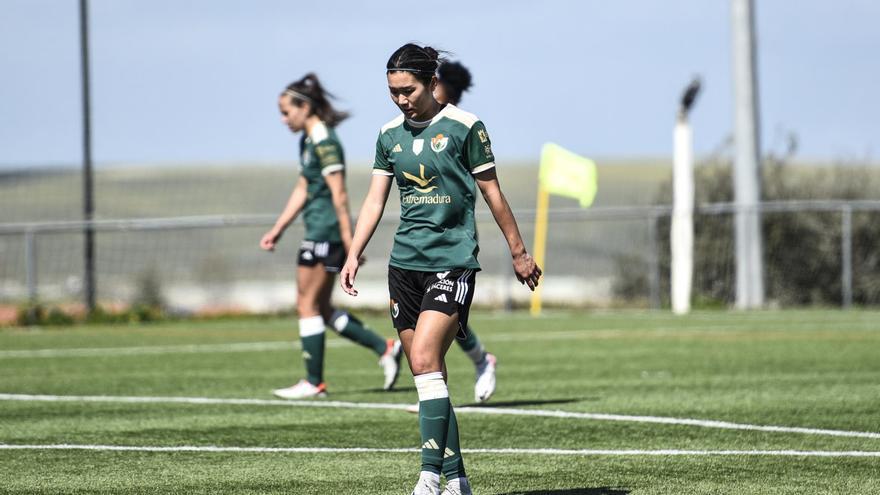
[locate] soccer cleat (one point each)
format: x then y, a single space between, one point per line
302 390
485 385
458 486
426 486
390 363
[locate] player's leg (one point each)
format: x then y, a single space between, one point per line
444 314
484 362
310 283
425 348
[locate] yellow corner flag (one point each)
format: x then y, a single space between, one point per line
566 174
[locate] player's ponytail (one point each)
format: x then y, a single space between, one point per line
421 62
309 90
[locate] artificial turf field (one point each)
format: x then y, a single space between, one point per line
634 381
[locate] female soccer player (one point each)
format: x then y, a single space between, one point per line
453 79
321 196
438 155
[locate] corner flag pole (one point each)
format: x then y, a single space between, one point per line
540 242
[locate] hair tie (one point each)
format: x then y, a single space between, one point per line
297 95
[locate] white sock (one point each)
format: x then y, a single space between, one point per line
431 386
311 325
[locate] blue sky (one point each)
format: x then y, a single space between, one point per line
197 81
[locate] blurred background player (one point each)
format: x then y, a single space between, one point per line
438 155
321 196
453 79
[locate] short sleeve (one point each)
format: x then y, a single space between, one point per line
381 164
478 149
330 156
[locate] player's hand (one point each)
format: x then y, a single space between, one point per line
527 272
347 276
269 239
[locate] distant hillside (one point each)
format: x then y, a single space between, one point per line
137 192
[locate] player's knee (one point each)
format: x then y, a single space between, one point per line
306 307
422 363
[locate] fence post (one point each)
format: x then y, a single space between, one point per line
653 262
30 265
846 255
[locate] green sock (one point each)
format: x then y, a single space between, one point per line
434 411
472 346
353 329
311 335
453 464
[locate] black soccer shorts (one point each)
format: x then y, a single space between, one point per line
330 254
448 292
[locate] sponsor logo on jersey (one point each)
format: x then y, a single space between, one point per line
441 298
439 142
395 309
483 135
396 148
421 180
418 144
423 185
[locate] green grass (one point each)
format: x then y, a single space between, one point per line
811 369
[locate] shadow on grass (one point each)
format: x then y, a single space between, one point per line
575 491
519 403
395 390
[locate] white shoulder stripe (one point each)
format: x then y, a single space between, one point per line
459 115
398 121
379 171
482 168
319 133
329 169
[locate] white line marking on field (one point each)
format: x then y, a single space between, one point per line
160 349
580 334
462 410
347 450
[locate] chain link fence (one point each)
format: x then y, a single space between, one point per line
815 253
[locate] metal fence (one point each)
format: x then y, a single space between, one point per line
595 257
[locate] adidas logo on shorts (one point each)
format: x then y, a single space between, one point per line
441 298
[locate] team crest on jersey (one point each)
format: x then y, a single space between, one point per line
439 142
418 144
482 135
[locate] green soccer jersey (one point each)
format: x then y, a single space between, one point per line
433 164
321 155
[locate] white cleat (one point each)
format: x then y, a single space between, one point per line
390 363
302 390
426 486
458 486
485 386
